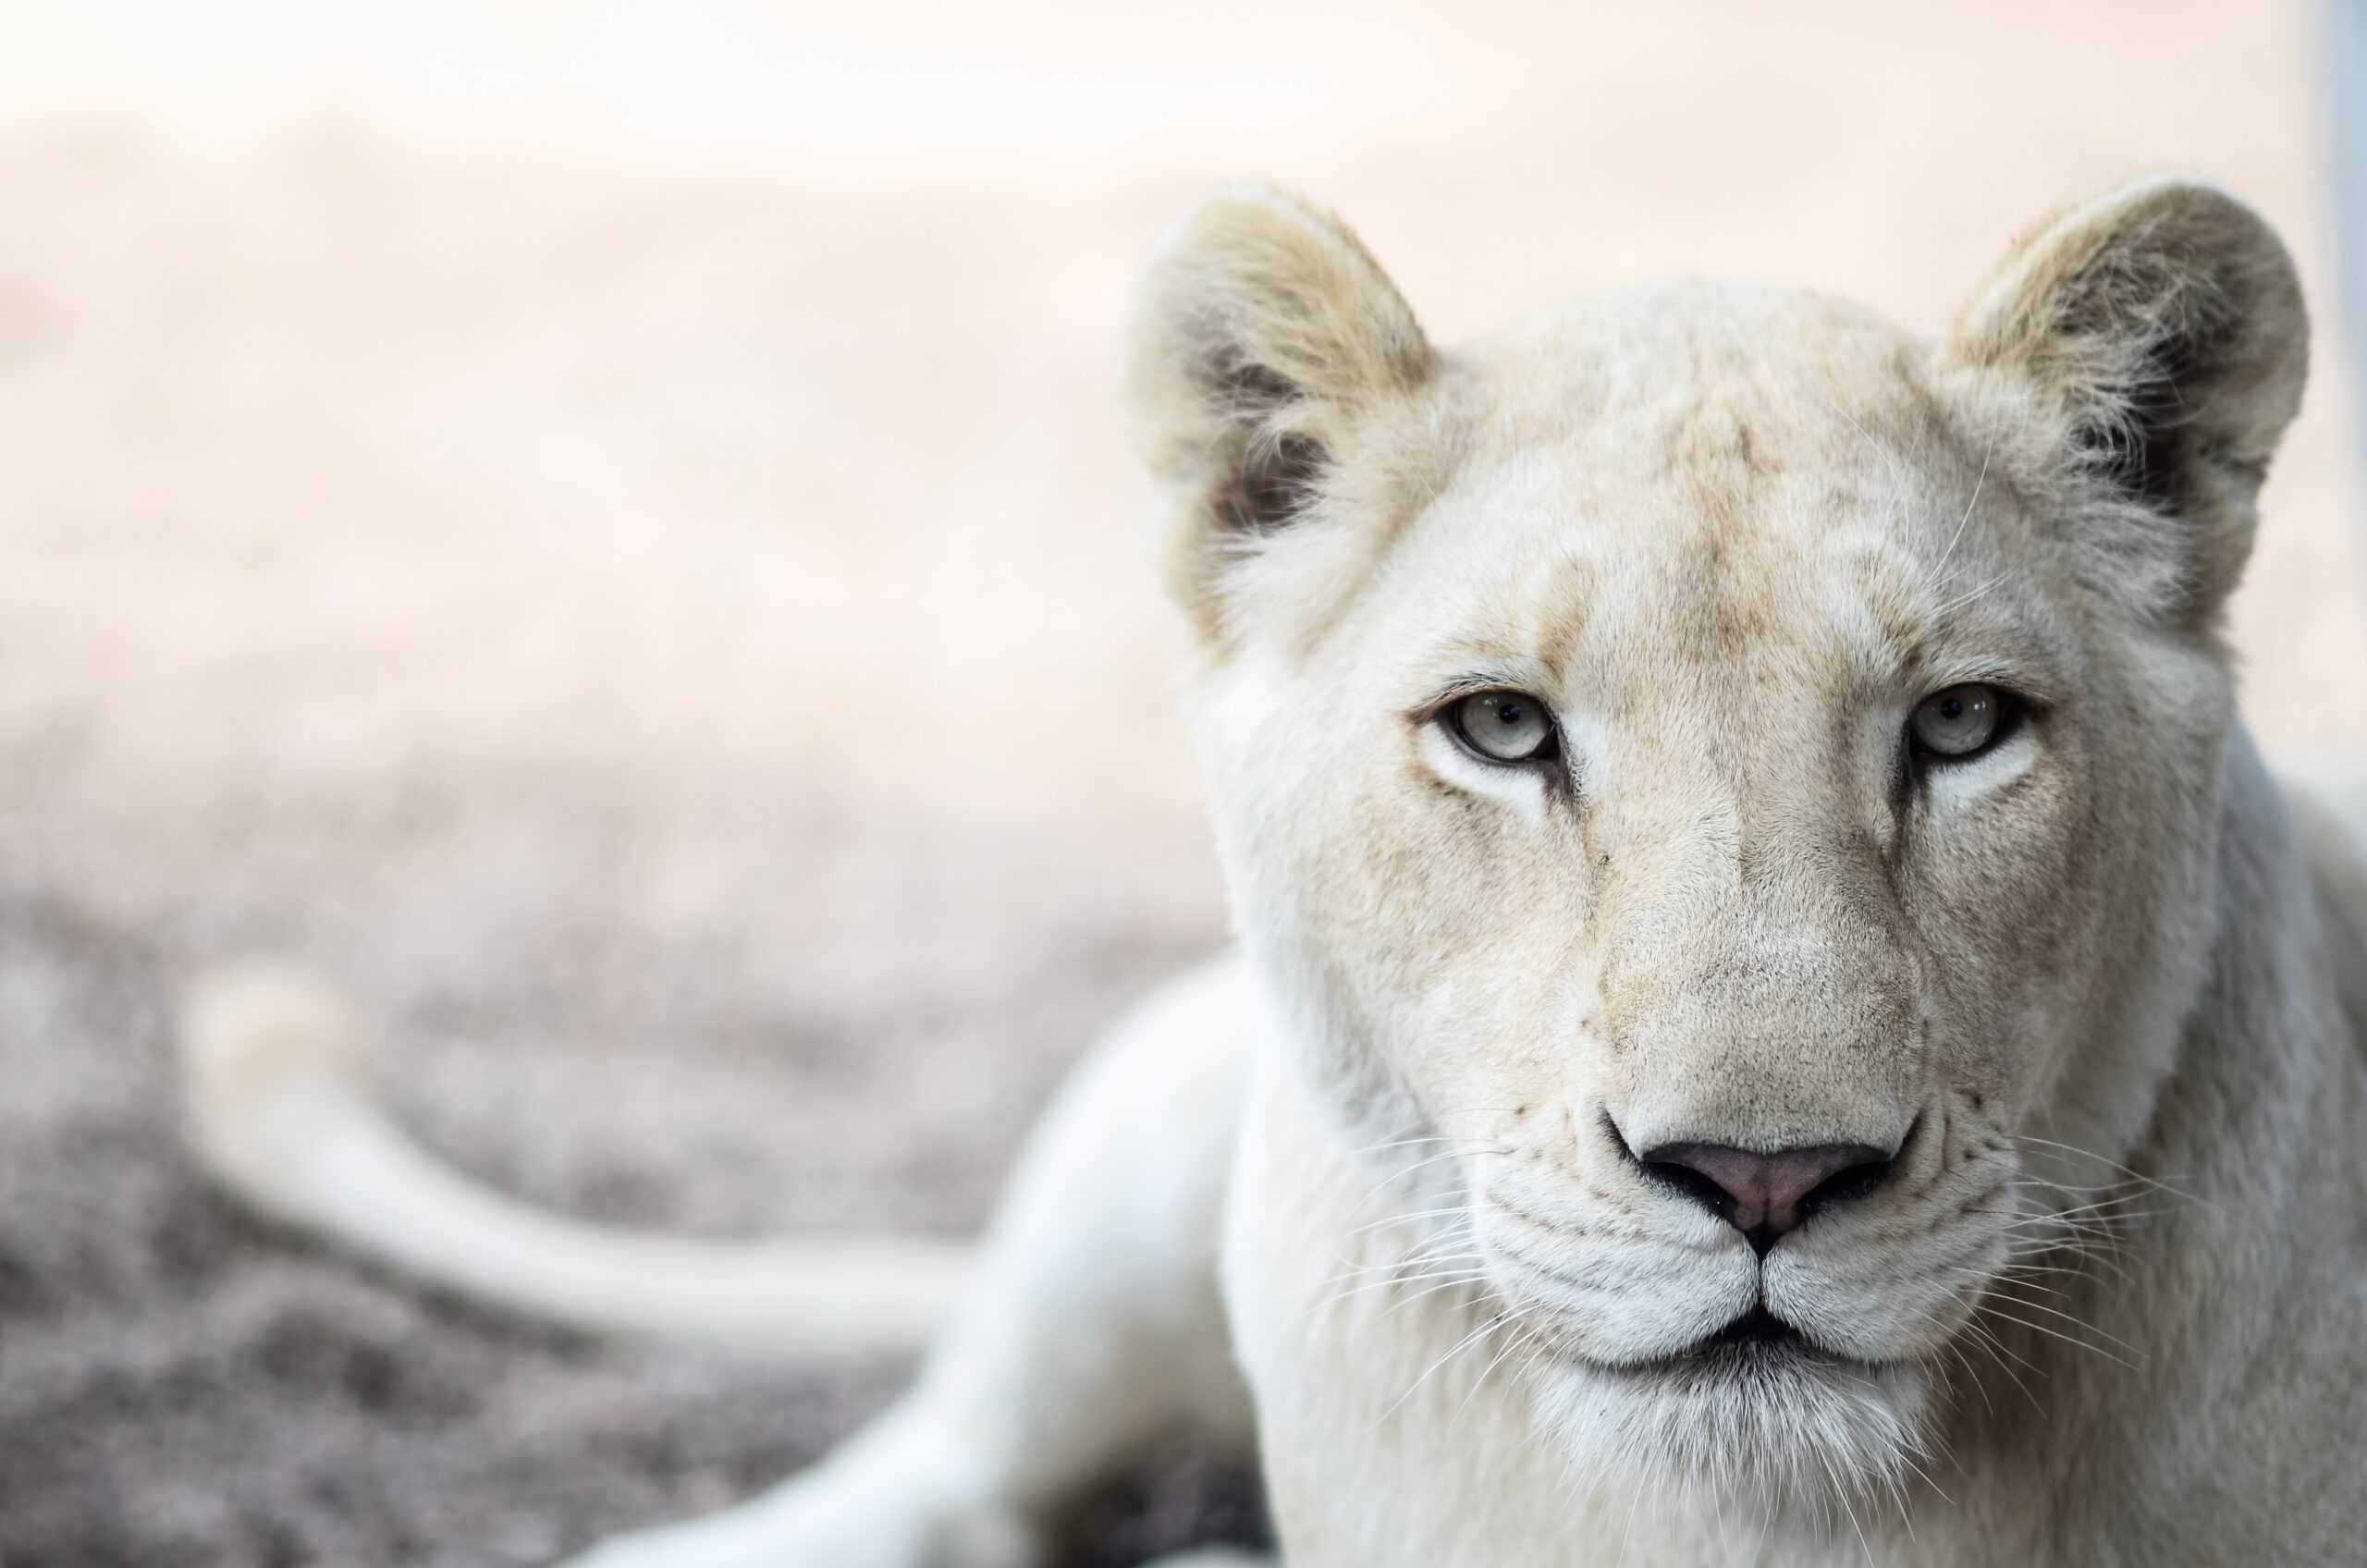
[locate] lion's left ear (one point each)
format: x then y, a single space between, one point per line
1264 337
2161 327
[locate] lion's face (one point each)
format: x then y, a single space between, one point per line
1712 778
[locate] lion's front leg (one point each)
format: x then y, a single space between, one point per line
1096 1323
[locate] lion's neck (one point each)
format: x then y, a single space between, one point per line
2222 1272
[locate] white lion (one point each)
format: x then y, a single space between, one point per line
1778 1017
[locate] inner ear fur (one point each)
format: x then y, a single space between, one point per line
2161 326
1263 334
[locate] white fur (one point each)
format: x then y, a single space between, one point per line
2100 994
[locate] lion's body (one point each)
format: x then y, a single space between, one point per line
2071 1019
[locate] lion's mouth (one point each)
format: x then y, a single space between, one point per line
1757 1341
1757 1327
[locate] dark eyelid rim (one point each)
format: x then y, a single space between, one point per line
2010 676
1428 710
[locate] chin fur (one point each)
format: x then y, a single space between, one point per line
1786 1427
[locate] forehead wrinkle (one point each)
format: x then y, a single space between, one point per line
1562 605
1942 611
1763 642
1527 622
1965 610
1888 597
1943 495
1617 637
1532 539
1850 599
1667 688
1920 544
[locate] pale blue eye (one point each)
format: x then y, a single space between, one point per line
1958 721
1504 726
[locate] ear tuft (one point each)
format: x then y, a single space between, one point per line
2162 322
1263 333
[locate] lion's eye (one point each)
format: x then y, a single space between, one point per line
1962 721
1504 727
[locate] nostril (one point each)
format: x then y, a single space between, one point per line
1698 1185
1766 1194
1676 1175
1842 1186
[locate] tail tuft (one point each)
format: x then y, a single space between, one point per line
268 1054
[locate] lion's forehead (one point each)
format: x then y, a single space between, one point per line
1642 596
1706 489
1705 380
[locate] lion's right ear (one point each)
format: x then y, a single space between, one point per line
2161 327
1263 335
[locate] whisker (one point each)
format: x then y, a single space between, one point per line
1452 1276
1527 1337
2057 1334
1841 1495
1964 601
1452 1351
2157 1184
1479 1277
1391 1181
2073 1317
1956 1353
1407 1219
1440 1251
1988 450
1401 1144
1999 1351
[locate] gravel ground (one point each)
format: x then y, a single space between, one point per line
609 532
180 1384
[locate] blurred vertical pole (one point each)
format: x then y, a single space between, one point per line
2345 86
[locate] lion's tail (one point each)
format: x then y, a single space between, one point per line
279 1114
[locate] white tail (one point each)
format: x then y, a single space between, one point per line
280 1114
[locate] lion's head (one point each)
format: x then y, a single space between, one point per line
1738 771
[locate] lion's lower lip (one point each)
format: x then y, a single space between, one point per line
1757 1338
1757 1326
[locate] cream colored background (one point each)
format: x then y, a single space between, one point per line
605 524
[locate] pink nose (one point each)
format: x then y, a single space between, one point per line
1768 1196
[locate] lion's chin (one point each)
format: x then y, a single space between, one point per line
1778 1421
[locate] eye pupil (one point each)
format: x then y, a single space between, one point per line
1953 708
1508 714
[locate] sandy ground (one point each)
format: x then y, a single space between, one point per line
607 530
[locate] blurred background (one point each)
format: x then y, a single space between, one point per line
604 526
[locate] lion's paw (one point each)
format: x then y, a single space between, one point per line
819 1532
